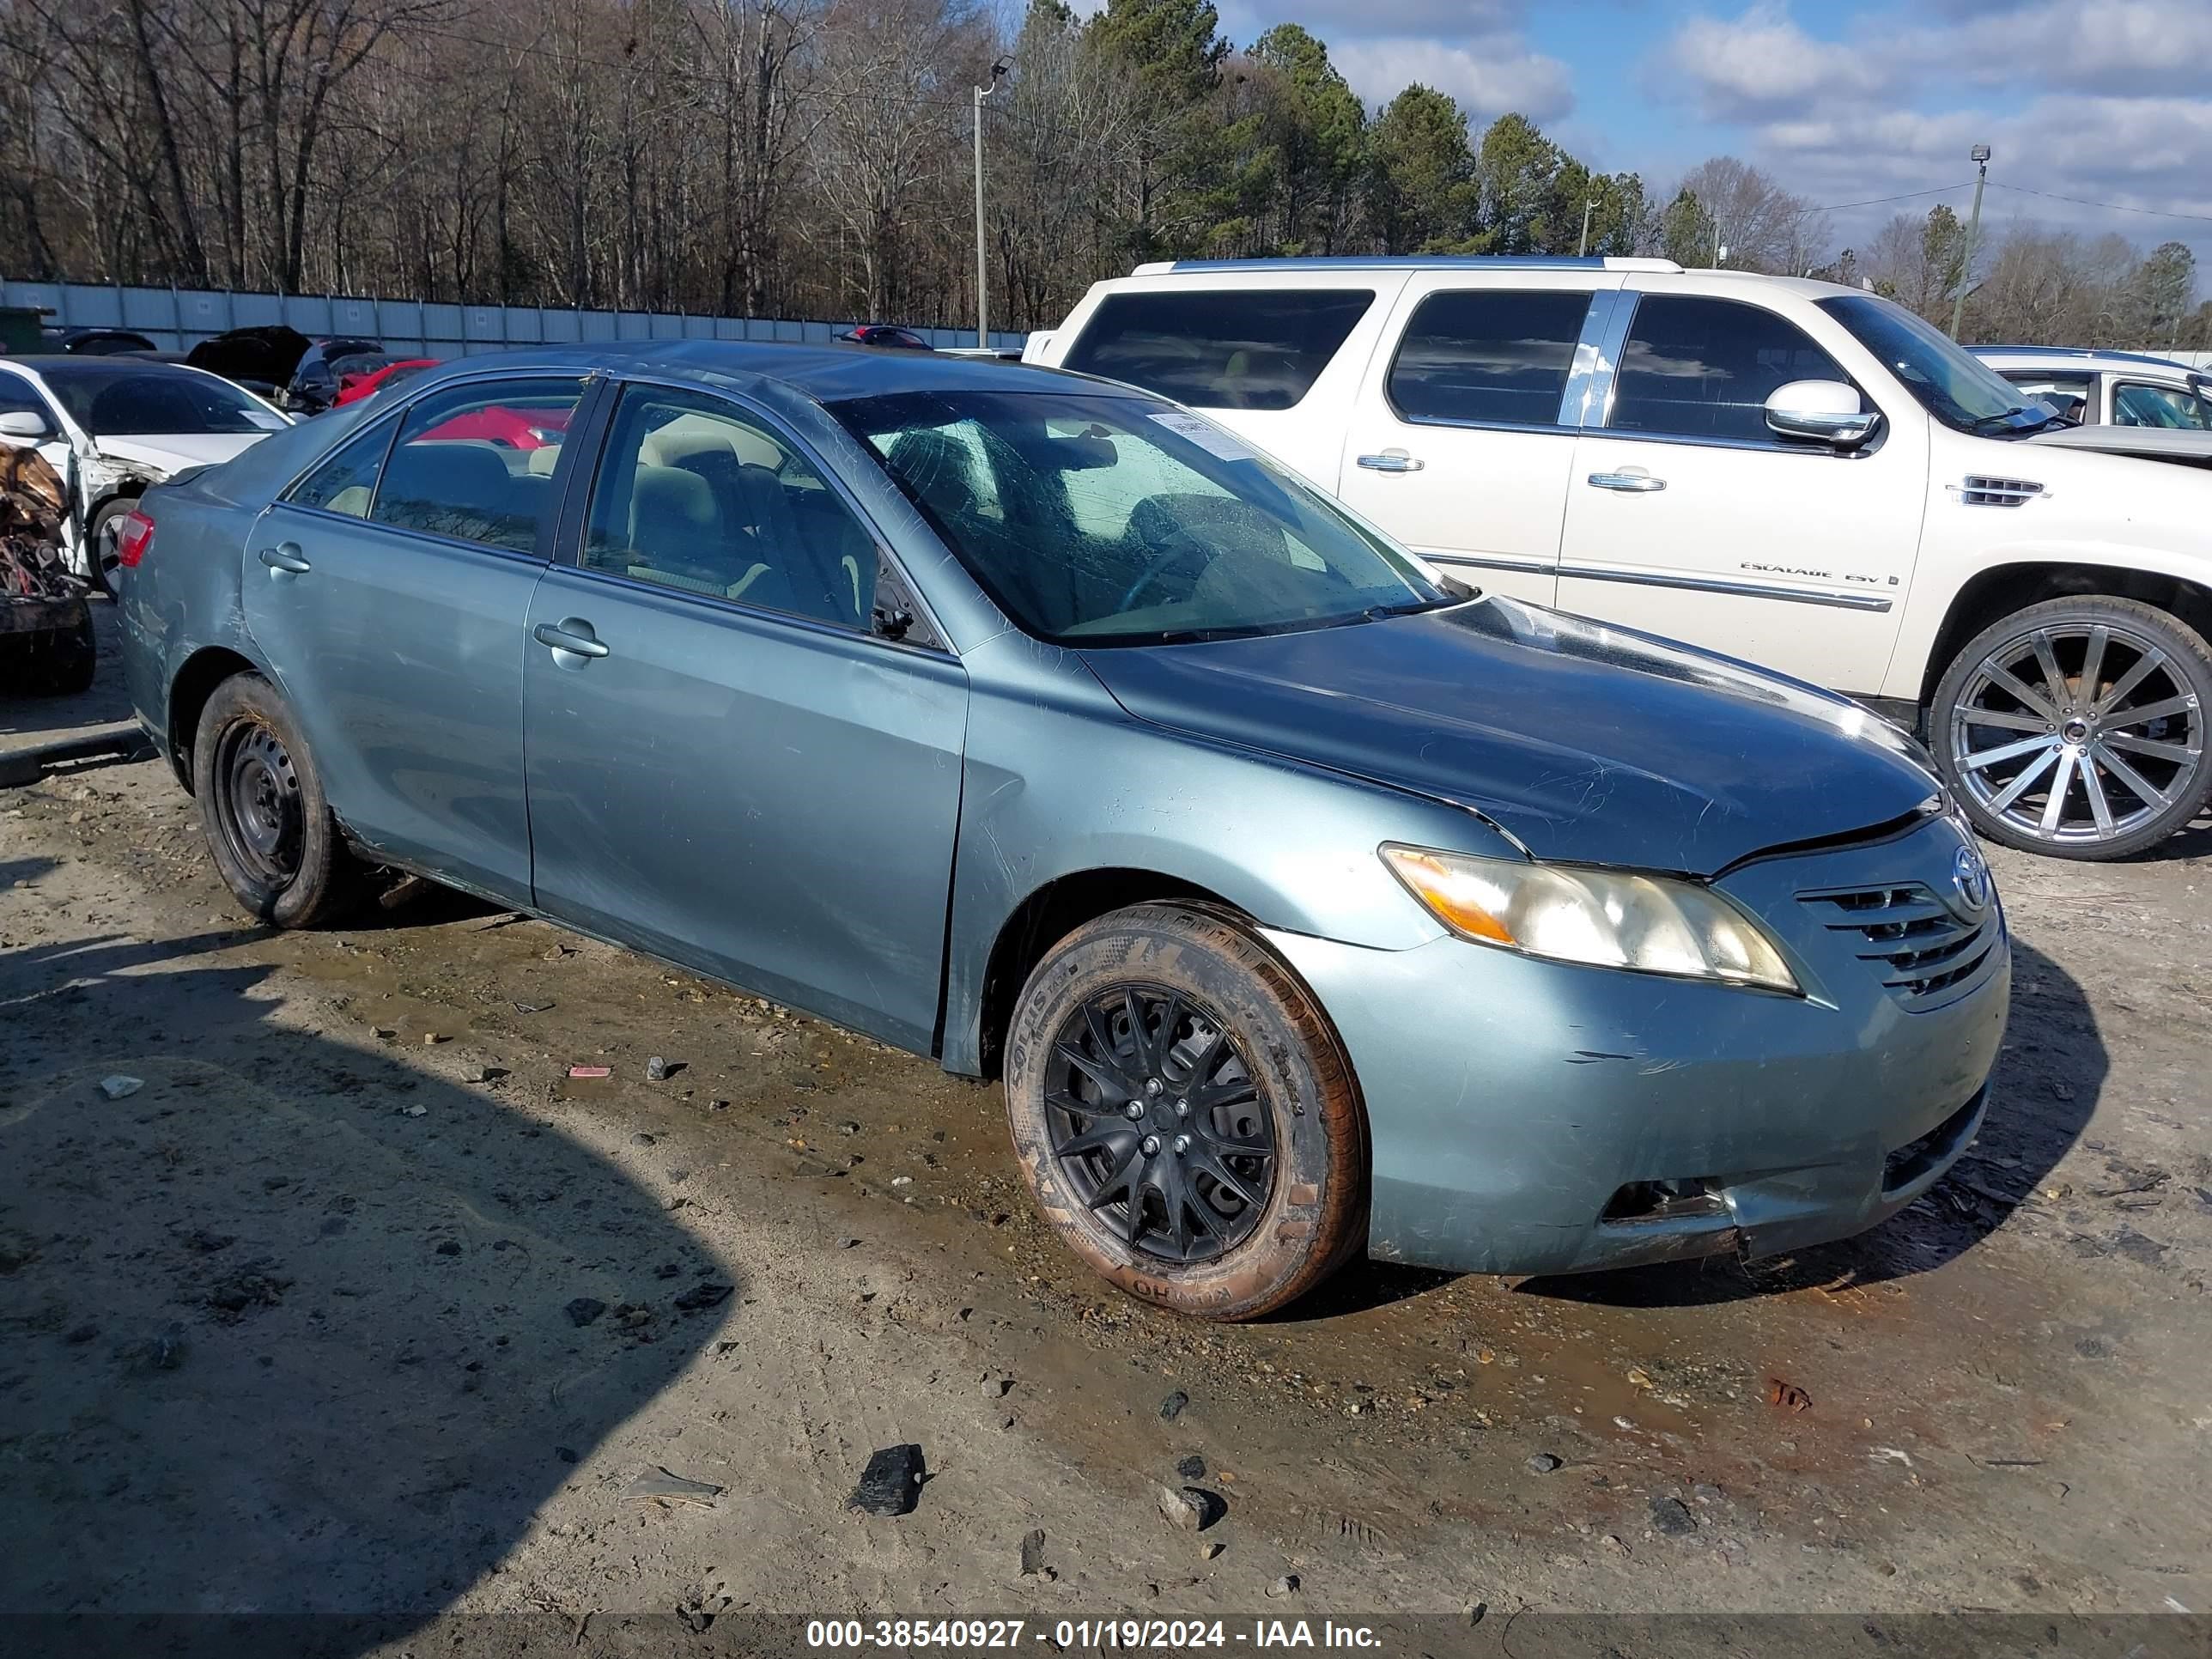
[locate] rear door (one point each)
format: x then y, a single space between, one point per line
389 591
730 764
1462 432
1687 517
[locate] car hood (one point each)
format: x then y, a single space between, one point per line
2150 443
168 453
1583 742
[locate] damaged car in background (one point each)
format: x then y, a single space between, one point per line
112 426
46 643
1306 902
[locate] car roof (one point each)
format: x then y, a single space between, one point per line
1654 271
826 374
2028 356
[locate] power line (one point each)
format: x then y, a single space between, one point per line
2112 207
1877 201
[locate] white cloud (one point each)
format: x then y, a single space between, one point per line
2108 102
1488 78
1761 64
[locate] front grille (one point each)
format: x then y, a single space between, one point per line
1908 1162
1908 936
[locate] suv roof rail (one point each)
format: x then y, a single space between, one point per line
1414 261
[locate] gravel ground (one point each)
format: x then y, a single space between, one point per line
359 1305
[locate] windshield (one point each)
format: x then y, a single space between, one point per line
1957 388
131 401
1104 520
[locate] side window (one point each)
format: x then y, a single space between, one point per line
1488 354
1704 368
476 462
2038 383
346 481
2135 403
1220 348
695 493
19 397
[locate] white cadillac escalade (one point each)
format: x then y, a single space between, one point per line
1801 475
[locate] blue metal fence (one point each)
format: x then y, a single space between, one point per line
176 319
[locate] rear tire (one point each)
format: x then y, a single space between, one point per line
1184 1115
2099 701
268 823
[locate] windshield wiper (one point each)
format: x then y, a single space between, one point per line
1992 425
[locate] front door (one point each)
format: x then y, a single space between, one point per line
388 591
1460 439
1686 517
728 766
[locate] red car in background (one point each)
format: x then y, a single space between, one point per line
352 388
511 429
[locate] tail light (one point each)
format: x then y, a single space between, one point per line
135 537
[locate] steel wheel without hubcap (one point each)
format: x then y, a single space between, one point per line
1157 1123
259 807
2077 734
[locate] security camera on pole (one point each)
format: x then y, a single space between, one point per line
1979 155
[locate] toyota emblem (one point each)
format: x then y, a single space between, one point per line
1970 876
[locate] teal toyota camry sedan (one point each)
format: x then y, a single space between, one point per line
1306 902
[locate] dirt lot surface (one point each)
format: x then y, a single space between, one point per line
359 1305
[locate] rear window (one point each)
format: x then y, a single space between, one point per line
1218 348
1488 354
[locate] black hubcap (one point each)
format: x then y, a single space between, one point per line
258 803
1157 1123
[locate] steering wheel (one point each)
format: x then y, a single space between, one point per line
1170 545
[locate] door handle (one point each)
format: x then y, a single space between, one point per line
572 634
1392 460
286 557
1634 479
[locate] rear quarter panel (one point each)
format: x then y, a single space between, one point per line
183 599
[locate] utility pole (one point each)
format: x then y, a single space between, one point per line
1979 155
982 253
1583 251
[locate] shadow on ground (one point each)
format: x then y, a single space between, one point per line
302 1320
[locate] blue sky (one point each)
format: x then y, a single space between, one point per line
2109 101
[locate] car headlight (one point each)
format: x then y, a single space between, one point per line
1645 924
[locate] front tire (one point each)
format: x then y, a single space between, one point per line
2076 727
1184 1115
268 823
99 537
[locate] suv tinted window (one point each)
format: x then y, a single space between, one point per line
1703 368
1488 354
1219 348
346 481
476 462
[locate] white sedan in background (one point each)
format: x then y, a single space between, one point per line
113 426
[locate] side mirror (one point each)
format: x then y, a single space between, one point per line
23 423
1827 411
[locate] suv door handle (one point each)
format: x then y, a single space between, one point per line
563 636
1633 478
286 557
1392 460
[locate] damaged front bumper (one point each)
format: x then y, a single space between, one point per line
1534 1117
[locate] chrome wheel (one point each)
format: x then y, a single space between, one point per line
2077 734
1158 1124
